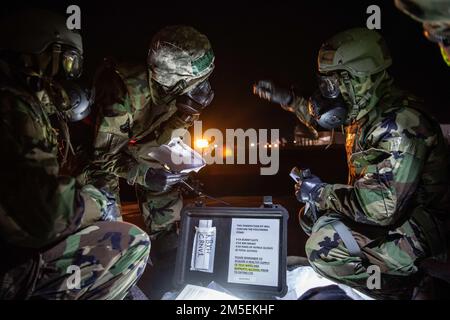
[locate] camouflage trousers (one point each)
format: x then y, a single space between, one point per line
101 261
395 254
161 212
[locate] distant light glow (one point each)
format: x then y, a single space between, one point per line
201 143
228 152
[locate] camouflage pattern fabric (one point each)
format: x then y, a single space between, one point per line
36 206
394 253
398 186
161 212
111 257
39 208
137 111
180 53
130 122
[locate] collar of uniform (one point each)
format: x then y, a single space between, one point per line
381 91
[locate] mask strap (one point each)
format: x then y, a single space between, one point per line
62 118
66 137
59 98
176 90
172 94
348 85
58 95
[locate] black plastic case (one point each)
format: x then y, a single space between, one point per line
222 218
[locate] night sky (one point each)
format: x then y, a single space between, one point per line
259 40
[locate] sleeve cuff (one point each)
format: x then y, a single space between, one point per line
136 175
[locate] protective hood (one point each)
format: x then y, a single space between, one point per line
180 54
362 94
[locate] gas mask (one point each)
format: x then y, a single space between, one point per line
329 85
67 59
58 63
67 102
190 104
80 101
194 101
71 100
329 112
61 65
354 92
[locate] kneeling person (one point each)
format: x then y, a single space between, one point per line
390 212
51 227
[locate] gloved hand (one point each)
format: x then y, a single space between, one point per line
267 90
308 188
111 211
97 205
161 180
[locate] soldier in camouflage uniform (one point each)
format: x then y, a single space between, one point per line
53 231
435 18
389 213
140 107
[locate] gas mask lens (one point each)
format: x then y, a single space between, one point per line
329 85
194 101
202 94
72 62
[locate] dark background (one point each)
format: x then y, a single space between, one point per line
254 40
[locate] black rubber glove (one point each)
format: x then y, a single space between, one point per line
308 189
267 90
160 180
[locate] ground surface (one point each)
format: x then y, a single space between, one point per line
157 279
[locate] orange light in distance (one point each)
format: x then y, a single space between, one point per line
201 143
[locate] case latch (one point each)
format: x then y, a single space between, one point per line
267 202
